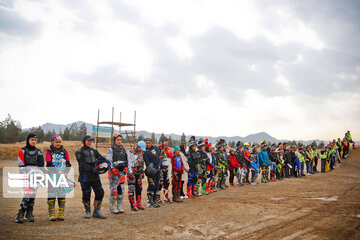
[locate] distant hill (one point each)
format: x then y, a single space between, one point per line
253 138
60 127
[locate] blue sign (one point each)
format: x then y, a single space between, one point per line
102 129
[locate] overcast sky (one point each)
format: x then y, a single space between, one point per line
289 68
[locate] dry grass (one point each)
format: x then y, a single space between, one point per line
10 151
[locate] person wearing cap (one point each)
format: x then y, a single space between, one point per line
233 167
280 165
29 159
254 165
184 176
289 163
349 138
222 162
339 148
294 159
264 162
201 167
246 155
57 162
345 146
300 160
89 177
323 158
135 175
165 155
152 160
176 172
273 161
315 157
334 153
241 160
308 160
193 161
118 158
210 180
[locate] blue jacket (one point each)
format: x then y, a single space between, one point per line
264 158
152 155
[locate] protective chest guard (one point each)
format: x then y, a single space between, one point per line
119 158
89 155
31 157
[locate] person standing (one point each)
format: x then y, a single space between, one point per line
165 156
246 154
117 174
152 161
30 159
184 176
135 175
57 162
222 161
177 171
89 177
193 161
233 167
264 163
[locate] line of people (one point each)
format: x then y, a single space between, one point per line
203 167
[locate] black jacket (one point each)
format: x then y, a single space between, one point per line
152 155
193 160
87 171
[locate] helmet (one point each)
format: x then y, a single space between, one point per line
246 144
191 143
150 171
200 143
102 165
220 143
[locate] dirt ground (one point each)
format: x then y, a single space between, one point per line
322 206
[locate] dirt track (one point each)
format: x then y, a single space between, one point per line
322 206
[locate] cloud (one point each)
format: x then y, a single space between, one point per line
14 25
286 65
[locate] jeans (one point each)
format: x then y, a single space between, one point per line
302 166
308 167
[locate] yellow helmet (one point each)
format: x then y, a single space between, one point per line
246 144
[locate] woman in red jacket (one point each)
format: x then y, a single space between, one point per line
233 166
177 171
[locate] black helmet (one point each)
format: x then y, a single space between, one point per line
201 143
150 171
102 165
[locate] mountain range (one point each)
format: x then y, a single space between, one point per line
253 138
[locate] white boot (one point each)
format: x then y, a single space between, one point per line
112 205
119 203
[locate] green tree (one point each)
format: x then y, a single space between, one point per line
10 130
183 139
39 133
48 135
314 143
74 131
321 145
162 136
171 143
66 134
82 131
153 138
140 138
